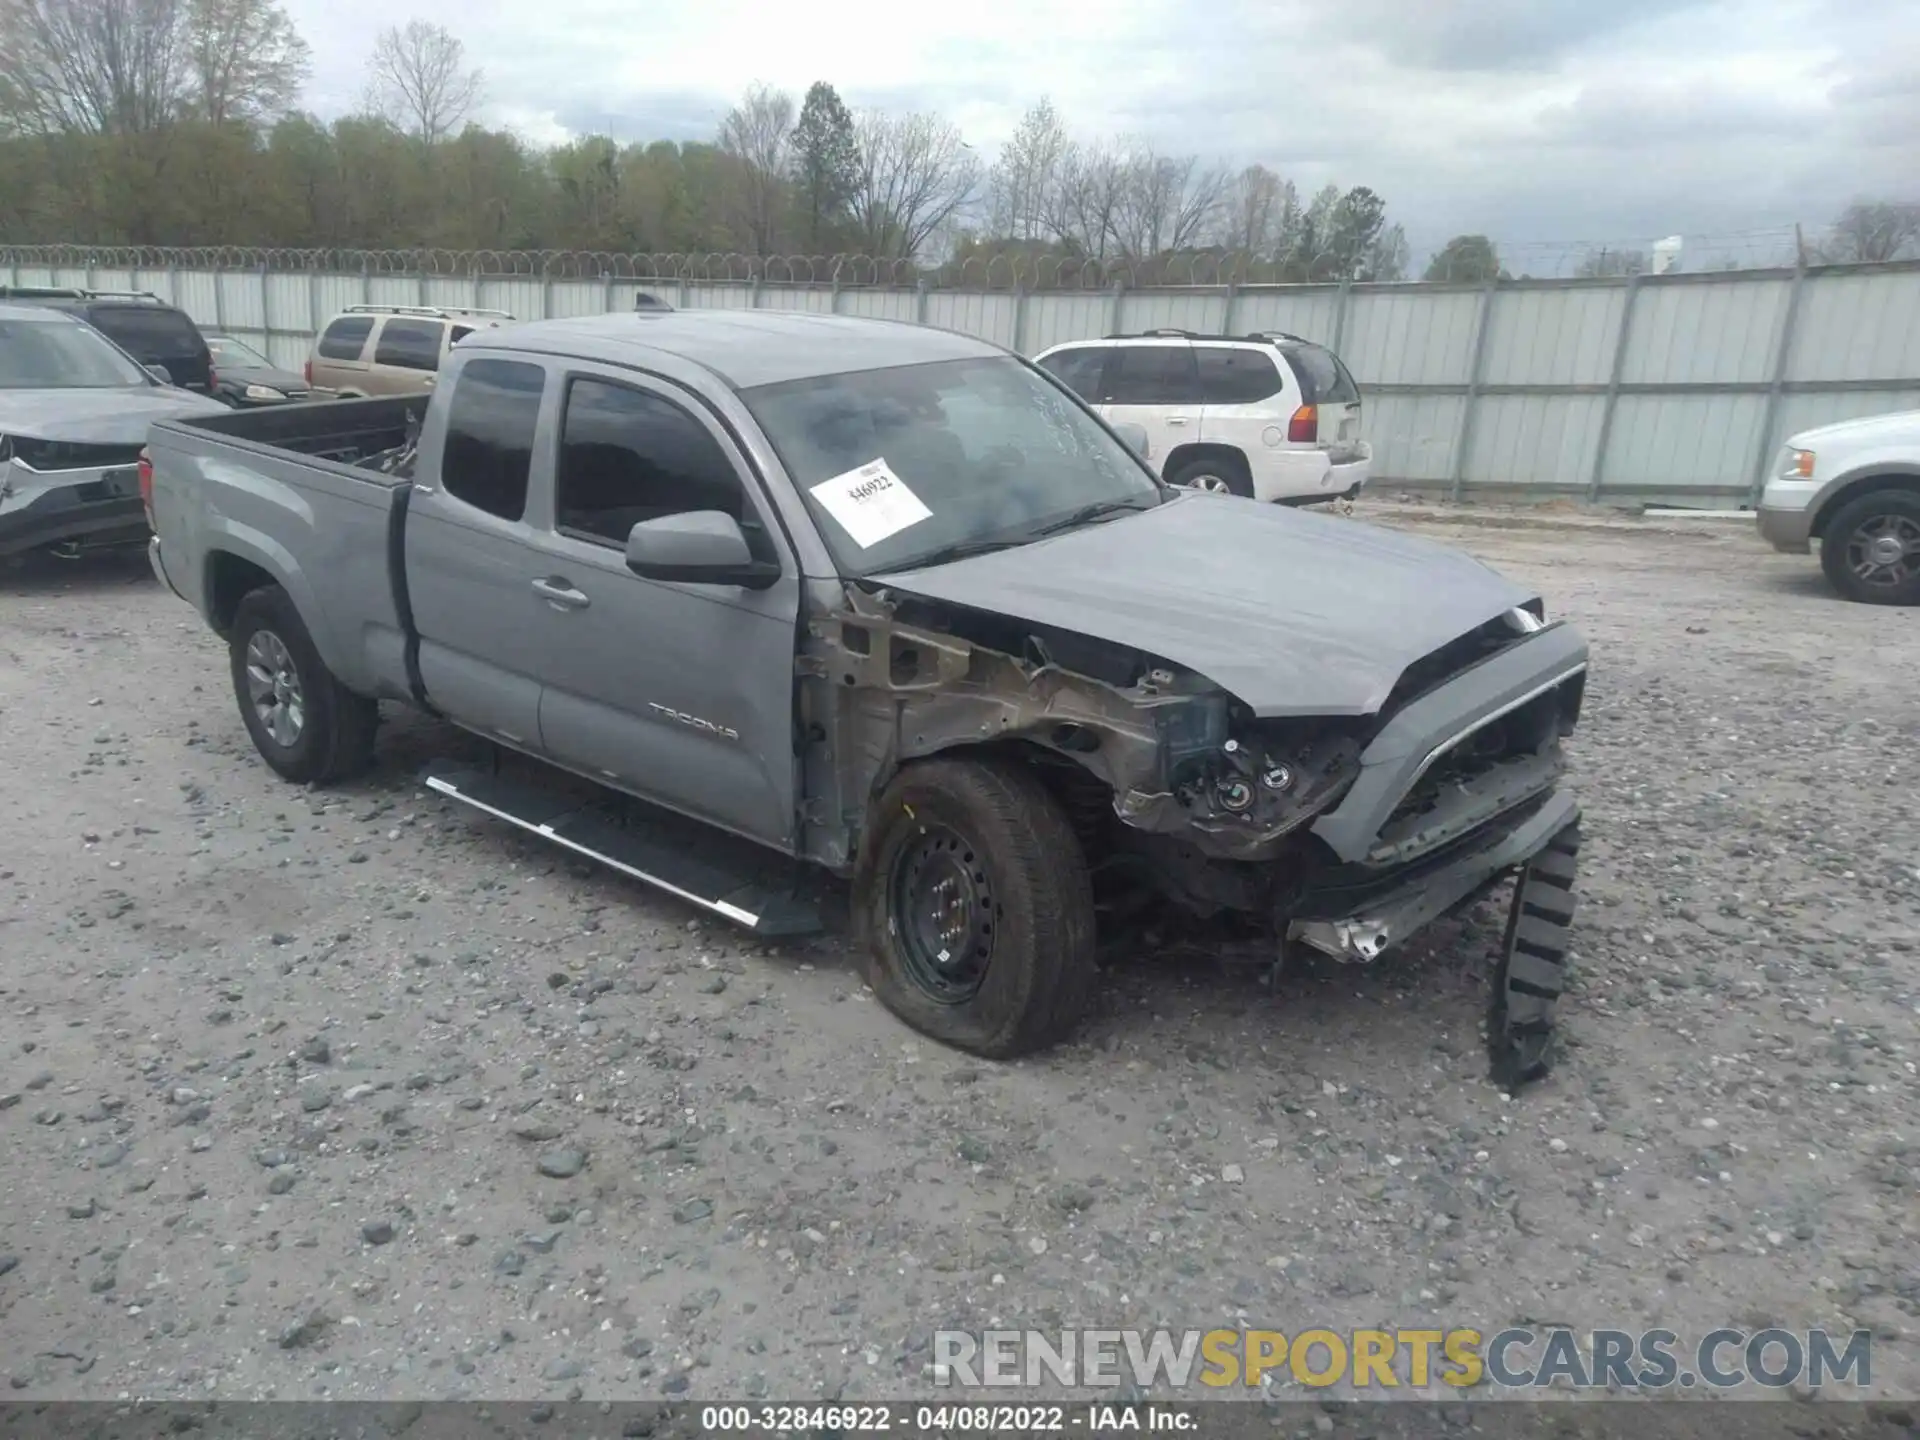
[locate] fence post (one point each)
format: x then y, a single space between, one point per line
473 288
1465 437
1117 308
546 297
833 302
1595 479
1340 315
1020 319
420 279
1226 310
313 308
683 290
173 286
219 298
606 293
753 293
920 301
266 308
1781 356
366 282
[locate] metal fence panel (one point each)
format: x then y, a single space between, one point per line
1858 327
1562 336
1676 386
1697 333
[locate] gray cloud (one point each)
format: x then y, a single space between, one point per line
1495 35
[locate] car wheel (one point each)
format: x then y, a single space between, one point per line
307 725
1871 549
1219 477
1532 971
976 910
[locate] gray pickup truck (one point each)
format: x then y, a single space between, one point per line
779 597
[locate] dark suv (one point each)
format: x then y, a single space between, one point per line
140 323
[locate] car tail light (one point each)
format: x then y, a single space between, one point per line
1304 427
146 484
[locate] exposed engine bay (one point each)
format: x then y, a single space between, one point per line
1168 779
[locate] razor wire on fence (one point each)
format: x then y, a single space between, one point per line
984 268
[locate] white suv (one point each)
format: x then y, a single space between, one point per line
1273 417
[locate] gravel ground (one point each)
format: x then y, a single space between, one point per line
352 1094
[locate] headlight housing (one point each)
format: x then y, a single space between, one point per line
264 392
1799 465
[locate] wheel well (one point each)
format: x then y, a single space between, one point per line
1231 455
229 581
1854 489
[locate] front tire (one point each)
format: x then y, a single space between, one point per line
1532 973
308 726
1870 549
975 908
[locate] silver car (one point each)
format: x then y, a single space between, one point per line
74 412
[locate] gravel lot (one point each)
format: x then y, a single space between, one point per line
284 1071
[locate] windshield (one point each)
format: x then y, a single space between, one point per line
58 354
232 352
901 464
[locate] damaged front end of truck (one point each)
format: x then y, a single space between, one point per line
1344 830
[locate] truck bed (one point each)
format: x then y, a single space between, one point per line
296 492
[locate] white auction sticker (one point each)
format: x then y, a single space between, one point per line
871 503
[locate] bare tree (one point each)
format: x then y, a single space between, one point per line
420 80
1023 177
1167 203
248 61
1254 214
1084 201
100 67
1873 232
915 172
758 132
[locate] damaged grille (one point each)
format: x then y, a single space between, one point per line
1481 774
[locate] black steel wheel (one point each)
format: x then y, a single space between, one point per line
975 908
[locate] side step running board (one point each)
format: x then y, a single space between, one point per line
654 852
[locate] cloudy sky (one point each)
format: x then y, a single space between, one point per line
1531 120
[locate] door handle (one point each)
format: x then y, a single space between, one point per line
560 594
1176 419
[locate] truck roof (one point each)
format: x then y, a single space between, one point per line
744 348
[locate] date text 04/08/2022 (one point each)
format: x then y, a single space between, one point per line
924 1419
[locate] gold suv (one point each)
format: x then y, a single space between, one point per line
370 350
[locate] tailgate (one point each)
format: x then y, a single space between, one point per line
1329 387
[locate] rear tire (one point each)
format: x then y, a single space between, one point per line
975 908
1221 476
308 726
1531 976
1870 526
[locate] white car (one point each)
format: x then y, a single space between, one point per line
1855 488
1272 417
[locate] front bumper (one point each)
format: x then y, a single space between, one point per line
1385 916
1788 531
99 508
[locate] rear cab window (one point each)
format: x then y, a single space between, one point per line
1236 374
346 337
1323 379
491 422
410 344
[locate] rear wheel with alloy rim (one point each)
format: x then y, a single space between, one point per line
1216 476
307 725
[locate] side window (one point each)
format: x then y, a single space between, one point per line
490 426
1079 370
460 332
628 456
1322 377
1152 375
1235 375
410 344
344 338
